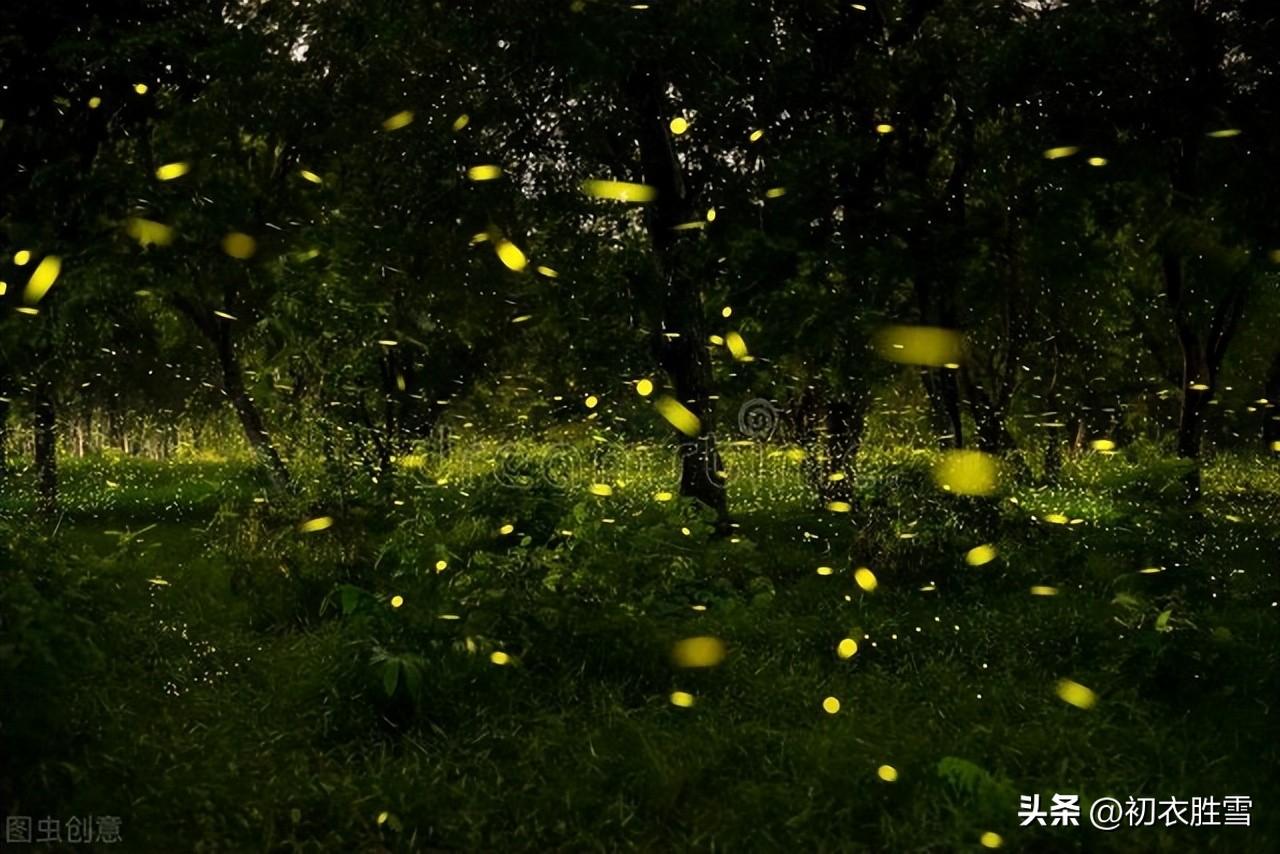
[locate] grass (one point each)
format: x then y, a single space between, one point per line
244 705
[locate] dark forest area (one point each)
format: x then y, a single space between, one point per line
578 425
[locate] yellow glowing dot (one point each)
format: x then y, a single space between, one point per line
548 272
1043 590
591 402
839 506
966 473
866 579
775 192
223 314
1151 570
484 172
510 255
21 257
978 555
1102 445
311 176
825 570
1055 519
831 705
499 657
26 309
1097 161
702 651
883 128
1060 152
149 233
1199 386
836 476
619 191
847 648
711 214
663 496
506 529
383 816
1075 694
239 245
1275 446
460 122
737 346
140 88
169 171
4 288
686 532
399 120
95 102
717 340
683 699
756 135
600 489
679 125
887 773
678 415
42 278
442 565
644 387
319 523
991 839
397 601
1225 133
919 345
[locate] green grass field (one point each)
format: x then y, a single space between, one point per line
181 654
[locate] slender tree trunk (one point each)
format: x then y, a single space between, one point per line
1201 360
219 334
246 410
680 341
944 405
1195 400
46 447
989 413
5 406
1271 409
1197 388
845 422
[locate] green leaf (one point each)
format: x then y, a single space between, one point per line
390 676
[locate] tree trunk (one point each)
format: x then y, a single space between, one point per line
1271 409
944 406
219 334
1201 361
5 406
844 425
679 343
46 447
989 412
1195 399
246 410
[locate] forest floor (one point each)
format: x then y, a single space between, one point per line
191 660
